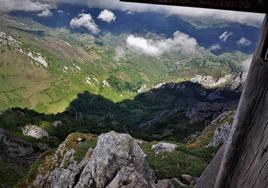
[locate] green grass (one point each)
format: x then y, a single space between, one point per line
207 134
81 148
181 161
50 90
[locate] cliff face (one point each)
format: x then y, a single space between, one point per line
16 150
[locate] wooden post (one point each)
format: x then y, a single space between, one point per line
245 162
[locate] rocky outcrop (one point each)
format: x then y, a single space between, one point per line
7 40
221 135
163 147
114 153
216 133
34 131
116 161
16 150
231 90
236 84
144 88
219 100
208 111
209 81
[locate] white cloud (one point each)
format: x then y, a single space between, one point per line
86 21
215 47
225 35
199 13
107 16
245 65
43 9
244 42
180 41
45 13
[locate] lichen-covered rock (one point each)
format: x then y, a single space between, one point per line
116 161
62 168
113 152
34 131
163 147
128 177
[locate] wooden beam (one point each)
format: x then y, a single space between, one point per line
259 6
245 162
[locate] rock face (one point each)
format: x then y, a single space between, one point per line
215 133
221 135
163 147
209 81
7 40
204 80
17 150
34 131
113 154
219 100
116 161
208 111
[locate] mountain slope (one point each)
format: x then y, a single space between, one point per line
75 63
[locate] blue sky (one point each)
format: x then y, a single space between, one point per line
43 8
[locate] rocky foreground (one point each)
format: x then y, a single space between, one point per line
116 161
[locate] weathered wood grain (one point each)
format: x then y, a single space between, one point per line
209 176
245 162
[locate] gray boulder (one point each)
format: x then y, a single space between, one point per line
34 131
114 153
163 147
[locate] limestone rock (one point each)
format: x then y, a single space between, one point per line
221 135
128 177
116 161
207 81
144 88
210 82
63 168
163 147
34 131
166 183
113 152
